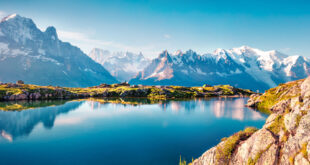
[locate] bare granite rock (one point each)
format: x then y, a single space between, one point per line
257 144
207 158
285 137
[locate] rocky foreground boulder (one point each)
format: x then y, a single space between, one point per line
284 139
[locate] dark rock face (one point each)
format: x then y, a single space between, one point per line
285 137
37 57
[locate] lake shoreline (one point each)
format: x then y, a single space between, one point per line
21 105
20 91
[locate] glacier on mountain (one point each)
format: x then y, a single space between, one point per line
122 65
243 67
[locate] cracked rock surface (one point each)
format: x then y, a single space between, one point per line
284 139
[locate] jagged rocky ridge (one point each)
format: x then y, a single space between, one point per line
122 65
284 139
243 67
39 57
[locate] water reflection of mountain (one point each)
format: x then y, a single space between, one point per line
177 105
234 108
20 123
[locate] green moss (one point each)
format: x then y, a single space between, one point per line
303 151
265 110
227 89
299 116
223 152
277 94
208 88
277 125
257 156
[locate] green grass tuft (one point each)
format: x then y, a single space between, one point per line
277 125
224 152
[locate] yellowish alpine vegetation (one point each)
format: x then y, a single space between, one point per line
10 91
284 139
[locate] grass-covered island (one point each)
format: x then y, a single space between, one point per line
21 91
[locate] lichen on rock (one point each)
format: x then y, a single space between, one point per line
285 137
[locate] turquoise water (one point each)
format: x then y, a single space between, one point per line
89 132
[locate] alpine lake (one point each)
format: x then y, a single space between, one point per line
118 131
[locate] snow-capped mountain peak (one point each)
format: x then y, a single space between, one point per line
219 51
122 65
243 67
178 52
29 54
20 29
10 17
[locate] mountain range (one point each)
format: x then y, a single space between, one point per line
37 57
122 65
243 67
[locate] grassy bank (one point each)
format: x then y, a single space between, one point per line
11 92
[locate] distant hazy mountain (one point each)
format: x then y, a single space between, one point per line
242 67
37 57
122 65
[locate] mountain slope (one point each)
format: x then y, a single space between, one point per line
242 67
27 53
284 139
122 65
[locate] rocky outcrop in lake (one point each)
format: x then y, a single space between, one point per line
284 139
11 92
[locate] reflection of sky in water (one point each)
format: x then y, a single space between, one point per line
158 132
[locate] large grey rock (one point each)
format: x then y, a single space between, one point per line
206 158
285 146
257 144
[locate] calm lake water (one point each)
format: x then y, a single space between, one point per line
89 132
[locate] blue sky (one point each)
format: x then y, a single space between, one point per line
153 26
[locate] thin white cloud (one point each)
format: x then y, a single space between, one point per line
167 36
86 43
